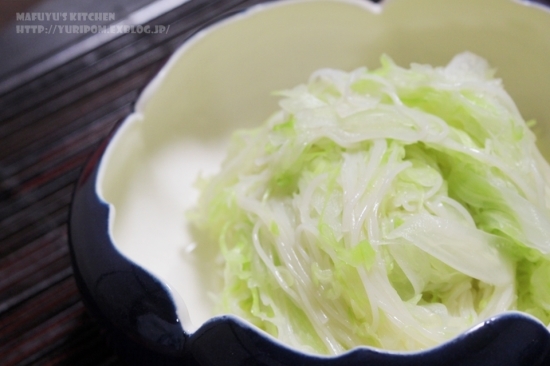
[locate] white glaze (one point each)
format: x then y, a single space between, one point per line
222 78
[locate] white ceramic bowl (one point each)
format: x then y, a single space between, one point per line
222 78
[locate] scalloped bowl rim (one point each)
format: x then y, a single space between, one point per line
132 123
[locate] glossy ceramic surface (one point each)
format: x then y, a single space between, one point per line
129 268
138 312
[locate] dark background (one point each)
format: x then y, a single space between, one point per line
55 108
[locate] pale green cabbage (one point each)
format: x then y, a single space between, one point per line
393 208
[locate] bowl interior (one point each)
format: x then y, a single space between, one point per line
222 79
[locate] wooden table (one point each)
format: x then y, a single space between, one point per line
51 119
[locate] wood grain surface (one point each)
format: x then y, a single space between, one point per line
48 127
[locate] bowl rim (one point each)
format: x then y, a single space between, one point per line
96 164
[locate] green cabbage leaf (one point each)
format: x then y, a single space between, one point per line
393 208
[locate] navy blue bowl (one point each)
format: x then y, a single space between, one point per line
140 316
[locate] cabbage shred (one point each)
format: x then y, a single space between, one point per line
393 208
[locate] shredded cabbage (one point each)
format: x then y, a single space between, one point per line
393 208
